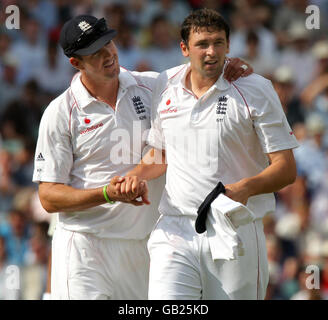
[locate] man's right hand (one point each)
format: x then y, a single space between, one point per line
128 189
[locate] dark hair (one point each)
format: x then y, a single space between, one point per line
158 18
203 18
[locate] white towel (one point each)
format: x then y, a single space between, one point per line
223 220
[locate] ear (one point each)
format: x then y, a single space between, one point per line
76 63
184 49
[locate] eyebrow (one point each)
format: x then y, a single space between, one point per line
207 40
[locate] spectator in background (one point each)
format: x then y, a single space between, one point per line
284 84
29 50
24 163
5 292
224 7
9 88
293 11
319 206
5 43
7 185
320 52
243 21
274 254
44 11
129 53
21 118
115 13
289 284
298 55
315 95
54 73
83 7
16 232
292 215
162 52
261 64
173 11
34 275
310 157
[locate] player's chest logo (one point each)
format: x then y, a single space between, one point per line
221 108
168 108
139 107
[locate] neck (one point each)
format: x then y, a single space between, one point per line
199 84
102 89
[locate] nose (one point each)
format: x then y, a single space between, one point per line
107 52
210 50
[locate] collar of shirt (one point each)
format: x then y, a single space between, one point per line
180 79
84 98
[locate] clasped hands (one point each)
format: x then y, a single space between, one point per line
128 189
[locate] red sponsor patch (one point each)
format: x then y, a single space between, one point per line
86 120
169 110
168 102
92 128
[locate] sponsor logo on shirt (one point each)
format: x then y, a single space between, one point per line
96 126
40 157
221 108
169 110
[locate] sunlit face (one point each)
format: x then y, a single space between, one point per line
102 64
206 51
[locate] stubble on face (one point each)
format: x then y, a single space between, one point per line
103 64
207 49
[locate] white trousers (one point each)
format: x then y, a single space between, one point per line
181 265
85 267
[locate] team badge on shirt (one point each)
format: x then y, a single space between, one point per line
139 107
221 108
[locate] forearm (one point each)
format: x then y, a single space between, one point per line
151 166
280 173
62 198
275 177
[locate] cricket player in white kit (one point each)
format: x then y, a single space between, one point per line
211 130
94 131
85 139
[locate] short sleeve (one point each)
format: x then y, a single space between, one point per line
53 156
269 120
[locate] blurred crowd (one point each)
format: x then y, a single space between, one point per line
269 34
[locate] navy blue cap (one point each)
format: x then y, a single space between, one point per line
85 35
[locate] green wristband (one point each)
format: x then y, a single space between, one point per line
106 195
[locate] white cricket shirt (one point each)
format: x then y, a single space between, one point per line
84 143
223 136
